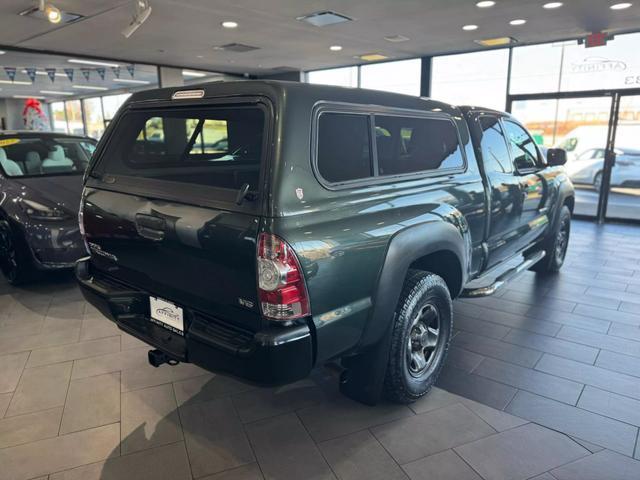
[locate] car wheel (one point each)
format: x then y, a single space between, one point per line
420 337
15 262
597 181
556 250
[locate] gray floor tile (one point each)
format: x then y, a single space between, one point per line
436 398
341 415
445 465
508 319
64 353
246 472
207 387
168 462
268 402
606 342
41 388
533 381
113 362
480 327
544 476
30 342
611 405
285 450
5 398
600 466
498 419
592 447
522 452
30 427
621 316
148 376
574 320
60 453
214 437
590 375
481 389
149 418
630 332
412 438
92 402
574 421
463 359
359 456
11 367
544 343
93 328
525 357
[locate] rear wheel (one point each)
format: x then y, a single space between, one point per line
597 181
15 261
556 248
420 338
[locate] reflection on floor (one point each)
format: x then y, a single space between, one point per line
543 381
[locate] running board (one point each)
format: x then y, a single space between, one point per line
504 278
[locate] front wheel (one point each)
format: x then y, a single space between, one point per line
420 338
15 262
556 249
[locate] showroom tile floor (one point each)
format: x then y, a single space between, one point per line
543 381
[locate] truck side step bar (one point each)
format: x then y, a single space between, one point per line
504 278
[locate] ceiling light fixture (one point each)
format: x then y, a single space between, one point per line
496 42
92 62
335 48
55 92
620 6
2 52
51 12
373 57
191 73
469 28
28 96
396 38
142 12
485 4
15 82
127 80
518 21
229 24
89 87
552 5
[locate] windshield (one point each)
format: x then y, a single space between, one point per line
29 156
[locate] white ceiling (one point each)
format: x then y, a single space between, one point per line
183 33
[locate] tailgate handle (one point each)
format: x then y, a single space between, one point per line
151 227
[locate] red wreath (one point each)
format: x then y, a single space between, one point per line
35 104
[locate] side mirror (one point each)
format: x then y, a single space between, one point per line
556 157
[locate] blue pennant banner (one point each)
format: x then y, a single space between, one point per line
69 73
31 73
11 72
51 72
131 69
86 73
116 71
101 72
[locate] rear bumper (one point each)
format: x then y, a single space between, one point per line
273 356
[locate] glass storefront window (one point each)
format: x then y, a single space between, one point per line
74 117
536 68
94 122
399 77
478 78
58 117
111 104
341 77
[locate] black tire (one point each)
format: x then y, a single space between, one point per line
425 302
556 248
15 261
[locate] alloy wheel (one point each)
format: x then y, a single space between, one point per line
423 340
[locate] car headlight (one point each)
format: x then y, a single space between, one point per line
38 211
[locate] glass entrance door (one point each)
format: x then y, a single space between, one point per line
580 125
623 201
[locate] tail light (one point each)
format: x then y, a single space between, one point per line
281 289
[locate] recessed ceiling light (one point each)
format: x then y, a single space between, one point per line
325 18
15 82
518 21
372 57
396 38
620 6
335 48
28 96
495 42
229 24
191 73
468 28
552 5
89 87
54 15
127 80
92 62
55 92
2 52
485 4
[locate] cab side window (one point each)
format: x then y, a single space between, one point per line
495 152
523 148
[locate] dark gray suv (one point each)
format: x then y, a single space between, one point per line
40 189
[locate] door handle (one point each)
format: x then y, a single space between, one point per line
150 227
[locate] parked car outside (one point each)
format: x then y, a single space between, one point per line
40 188
332 225
587 168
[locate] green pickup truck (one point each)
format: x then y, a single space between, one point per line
264 228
